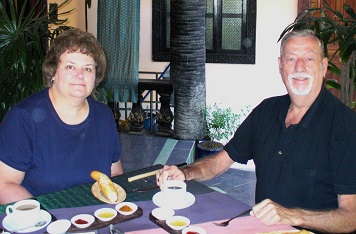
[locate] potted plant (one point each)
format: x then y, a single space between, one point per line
221 124
335 29
24 36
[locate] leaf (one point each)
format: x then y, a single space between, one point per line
22 32
331 83
350 11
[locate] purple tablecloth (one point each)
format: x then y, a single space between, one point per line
207 207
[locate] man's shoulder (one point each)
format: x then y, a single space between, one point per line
275 102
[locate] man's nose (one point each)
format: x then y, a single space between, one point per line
300 65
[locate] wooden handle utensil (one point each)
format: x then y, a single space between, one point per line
151 173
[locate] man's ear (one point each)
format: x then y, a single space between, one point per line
325 63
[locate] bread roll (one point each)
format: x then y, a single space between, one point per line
106 185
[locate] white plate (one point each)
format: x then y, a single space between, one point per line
59 226
159 201
9 225
193 229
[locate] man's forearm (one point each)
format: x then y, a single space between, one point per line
332 221
208 167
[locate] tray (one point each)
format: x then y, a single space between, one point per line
98 224
163 224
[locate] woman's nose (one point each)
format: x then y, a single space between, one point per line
80 73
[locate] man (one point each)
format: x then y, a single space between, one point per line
303 145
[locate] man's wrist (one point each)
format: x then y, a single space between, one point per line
186 174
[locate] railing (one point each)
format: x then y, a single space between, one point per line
156 93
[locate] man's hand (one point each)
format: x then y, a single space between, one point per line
270 213
340 220
169 173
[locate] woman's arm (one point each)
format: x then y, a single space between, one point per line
10 185
116 168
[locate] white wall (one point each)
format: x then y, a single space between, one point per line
232 85
236 85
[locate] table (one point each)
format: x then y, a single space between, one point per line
209 206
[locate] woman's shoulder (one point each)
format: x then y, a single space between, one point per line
99 107
32 102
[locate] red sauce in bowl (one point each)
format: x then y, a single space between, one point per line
81 221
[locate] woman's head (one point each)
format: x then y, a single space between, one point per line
74 40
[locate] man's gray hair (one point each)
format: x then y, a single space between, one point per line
302 33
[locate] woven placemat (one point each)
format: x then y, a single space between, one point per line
81 195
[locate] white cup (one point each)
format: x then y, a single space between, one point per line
24 213
174 191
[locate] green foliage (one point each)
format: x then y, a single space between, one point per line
24 37
333 27
221 123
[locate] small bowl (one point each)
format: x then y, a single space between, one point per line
60 226
194 229
105 214
82 220
126 208
178 222
162 213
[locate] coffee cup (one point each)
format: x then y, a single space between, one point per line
174 191
24 213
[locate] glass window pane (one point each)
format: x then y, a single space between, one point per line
168 32
232 6
231 37
210 6
209 33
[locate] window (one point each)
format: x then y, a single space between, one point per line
230 31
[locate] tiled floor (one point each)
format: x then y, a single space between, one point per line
145 150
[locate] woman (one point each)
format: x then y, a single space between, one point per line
53 139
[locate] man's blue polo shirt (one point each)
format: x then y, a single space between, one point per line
305 165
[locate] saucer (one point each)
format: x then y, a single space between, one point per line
158 201
8 224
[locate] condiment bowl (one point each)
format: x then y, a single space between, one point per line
60 226
126 208
178 222
193 229
162 213
82 220
105 214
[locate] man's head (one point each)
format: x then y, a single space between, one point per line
302 63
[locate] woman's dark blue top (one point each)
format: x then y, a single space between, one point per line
55 155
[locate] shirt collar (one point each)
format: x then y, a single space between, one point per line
309 116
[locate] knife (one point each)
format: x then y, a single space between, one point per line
115 230
141 189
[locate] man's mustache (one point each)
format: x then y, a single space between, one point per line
299 75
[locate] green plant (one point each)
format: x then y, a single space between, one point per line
333 27
24 36
221 123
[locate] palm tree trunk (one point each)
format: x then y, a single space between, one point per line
187 57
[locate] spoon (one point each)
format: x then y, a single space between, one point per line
38 224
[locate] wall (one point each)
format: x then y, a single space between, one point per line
232 85
236 85
77 17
